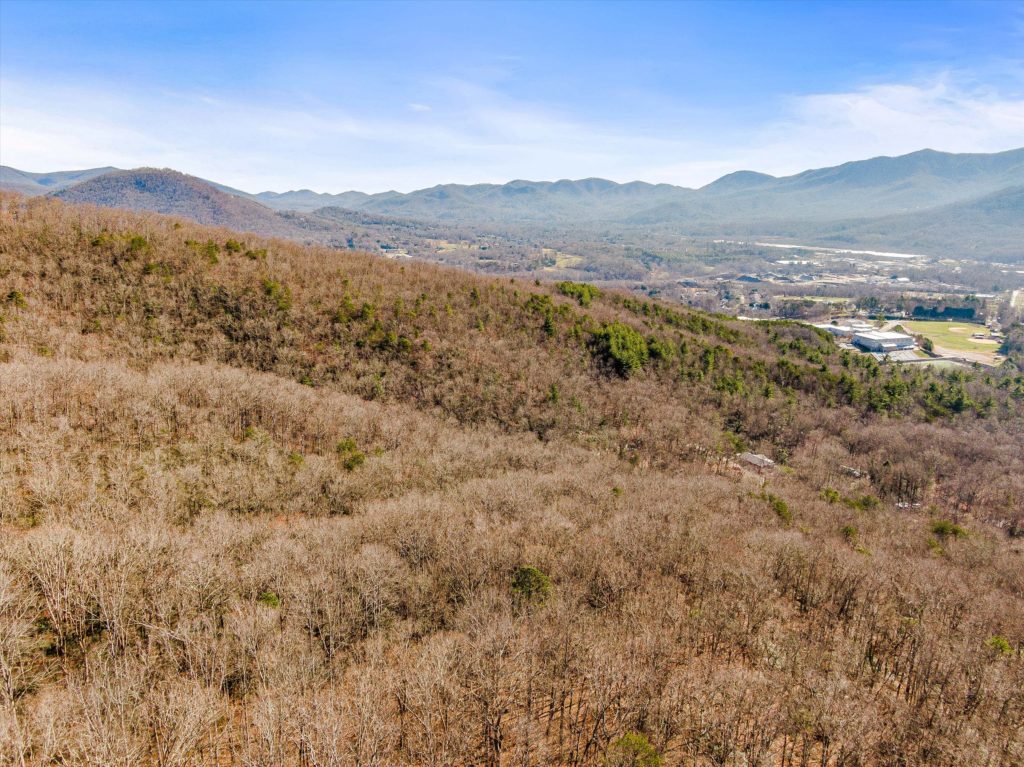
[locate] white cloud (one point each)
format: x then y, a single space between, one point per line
899 118
472 134
481 135
826 129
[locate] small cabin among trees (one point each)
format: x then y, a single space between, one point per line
758 461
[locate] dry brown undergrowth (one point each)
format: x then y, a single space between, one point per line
196 567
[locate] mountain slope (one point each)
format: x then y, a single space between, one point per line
989 227
519 202
879 186
739 180
830 203
291 505
173 193
305 200
301 200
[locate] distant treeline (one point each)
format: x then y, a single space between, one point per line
945 313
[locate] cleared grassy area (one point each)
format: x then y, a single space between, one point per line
944 364
819 299
443 246
562 260
954 336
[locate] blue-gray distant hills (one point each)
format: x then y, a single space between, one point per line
878 187
936 202
44 183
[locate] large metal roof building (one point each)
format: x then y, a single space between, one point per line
883 341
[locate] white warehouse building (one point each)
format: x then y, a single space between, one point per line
882 341
846 329
836 330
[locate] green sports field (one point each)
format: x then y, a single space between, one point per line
954 336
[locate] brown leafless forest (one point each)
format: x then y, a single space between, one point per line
263 504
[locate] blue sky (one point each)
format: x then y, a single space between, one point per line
335 96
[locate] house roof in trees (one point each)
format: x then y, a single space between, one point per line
756 459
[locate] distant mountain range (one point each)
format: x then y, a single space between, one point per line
931 201
983 228
45 183
877 187
882 186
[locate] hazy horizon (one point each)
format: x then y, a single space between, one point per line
491 183
337 97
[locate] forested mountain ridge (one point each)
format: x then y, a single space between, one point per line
985 228
170 192
878 186
263 502
875 187
994 223
885 201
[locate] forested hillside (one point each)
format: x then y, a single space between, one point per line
938 203
266 504
989 228
167 191
879 186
